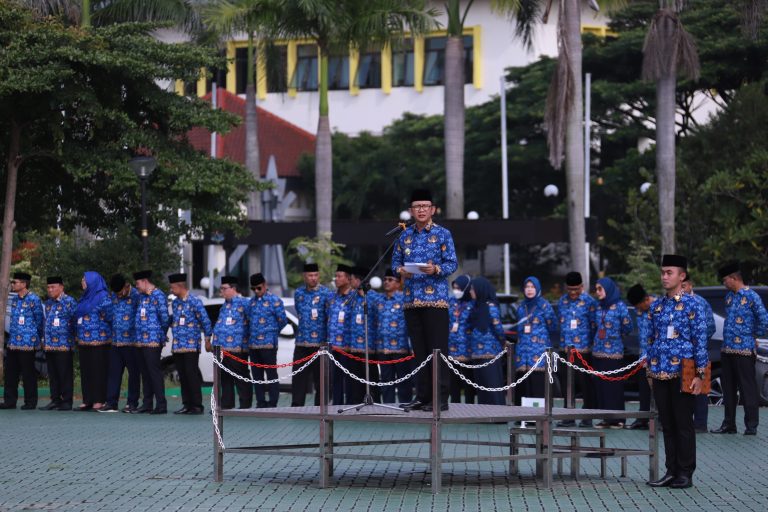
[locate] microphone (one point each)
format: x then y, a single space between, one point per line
400 227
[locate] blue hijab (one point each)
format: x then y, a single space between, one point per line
536 284
463 283
612 292
94 295
480 317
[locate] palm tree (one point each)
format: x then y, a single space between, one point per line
335 26
668 49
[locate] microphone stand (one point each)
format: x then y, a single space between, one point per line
365 286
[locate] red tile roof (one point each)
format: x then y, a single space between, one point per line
286 141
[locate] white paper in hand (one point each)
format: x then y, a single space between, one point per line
415 268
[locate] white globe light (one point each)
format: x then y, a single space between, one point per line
551 190
405 216
375 282
473 215
205 283
644 187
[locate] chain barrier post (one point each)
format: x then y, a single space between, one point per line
435 438
510 359
653 438
547 423
570 395
218 454
325 425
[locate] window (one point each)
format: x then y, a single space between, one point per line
305 74
190 89
369 70
241 69
402 64
434 60
338 72
277 68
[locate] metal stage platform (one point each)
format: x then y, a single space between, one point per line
543 449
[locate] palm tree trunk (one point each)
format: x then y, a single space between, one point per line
454 126
574 141
665 159
323 156
12 167
252 134
85 14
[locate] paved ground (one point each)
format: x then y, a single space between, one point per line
96 461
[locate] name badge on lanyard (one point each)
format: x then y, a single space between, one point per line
670 329
21 320
359 319
229 321
314 313
601 334
341 316
455 327
527 329
143 313
80 321
574 324
56 322
182 320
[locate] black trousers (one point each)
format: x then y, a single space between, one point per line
428 330
585 383
20 363
228 384
610 395
94 365
644 391
738 373
307 380
121 358
190 378
457 386
60 376
152 377
676 416
390 372
532 387
491 376
267 395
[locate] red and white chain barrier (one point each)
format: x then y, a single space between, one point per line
218 362
481 365
380 384
511 385
608 375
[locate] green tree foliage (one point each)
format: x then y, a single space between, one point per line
321 250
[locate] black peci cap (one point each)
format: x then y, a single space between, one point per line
142 274
636 294
177 278
728 269
573 279
257 279
674 260
311 267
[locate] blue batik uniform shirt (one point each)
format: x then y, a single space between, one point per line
189 324
95 327
124 318
358 324
266 318
539 324
613 323
389 320
745 319
708 315
486 345
26 326
313 316
433 243
152 319
458 329
60 323
679 332
231 329
340 309
577 321
644 328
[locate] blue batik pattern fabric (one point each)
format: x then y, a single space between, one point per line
577 321
124 318
95 328
708 314
60 323
433 243
313 316
530 345
486 345
189 324
152 319
266 318
391 335
679 332
231 329
644 329
340 319
745 319
26 325
357 324
615 322
458 329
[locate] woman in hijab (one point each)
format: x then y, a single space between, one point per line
536 322
460 306
613 322
486 340
94 335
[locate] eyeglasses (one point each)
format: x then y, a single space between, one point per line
15 281
420 207
390 279
256 288
225 287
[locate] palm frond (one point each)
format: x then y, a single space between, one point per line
669 48
67 9
559 99
182 13
526 15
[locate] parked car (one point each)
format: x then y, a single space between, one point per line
285 345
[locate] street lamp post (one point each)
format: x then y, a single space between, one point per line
143 167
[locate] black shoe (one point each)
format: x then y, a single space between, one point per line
430 408
410 404
585 424
637 425
196 410
84 408
724 429
64 407
750 431
128 409
144 409
183 410
664 481
159 411
681 482
107 408
603 424
51 406
700 430
415 406
566 423
28 407
7 406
